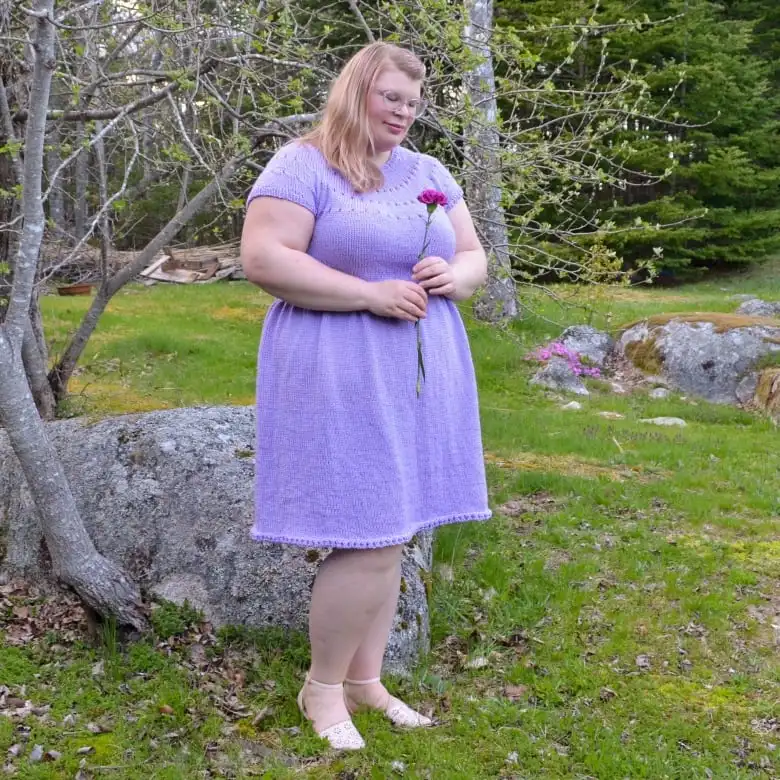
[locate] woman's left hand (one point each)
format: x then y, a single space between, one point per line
435 275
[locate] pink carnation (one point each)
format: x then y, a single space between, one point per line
432 198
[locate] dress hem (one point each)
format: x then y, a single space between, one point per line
369 544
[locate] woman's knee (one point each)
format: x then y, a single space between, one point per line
374 559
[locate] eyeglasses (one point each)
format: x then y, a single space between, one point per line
395 102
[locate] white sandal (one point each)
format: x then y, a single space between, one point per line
341 736
396 711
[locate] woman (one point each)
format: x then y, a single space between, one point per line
349 455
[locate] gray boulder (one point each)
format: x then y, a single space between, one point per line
558 375
169 496
755 307
709 355
588 342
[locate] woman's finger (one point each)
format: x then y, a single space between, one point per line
432 270
411 308
418 296
436 281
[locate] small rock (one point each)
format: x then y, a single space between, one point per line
588 342
480 662
558 375
512 758
611 415
617 388
659 392
98 669
667 421
515 692
746 389
643 662
398 766
573 405
37 754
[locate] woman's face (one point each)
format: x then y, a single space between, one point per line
391 108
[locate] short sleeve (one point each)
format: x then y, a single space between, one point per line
445 182
291 174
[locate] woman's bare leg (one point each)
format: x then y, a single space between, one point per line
351 589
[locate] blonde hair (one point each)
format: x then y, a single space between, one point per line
343 135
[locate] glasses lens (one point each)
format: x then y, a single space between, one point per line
420 107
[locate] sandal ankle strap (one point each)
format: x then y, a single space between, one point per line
364 682
318 684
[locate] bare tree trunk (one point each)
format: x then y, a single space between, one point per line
10 175
61 373
36 359
56 202
37 375
497 302
75 561
184 188
80 178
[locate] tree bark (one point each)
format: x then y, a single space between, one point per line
60 375
75 561
497 302
18 316
80 178
10 175
56 201
37 376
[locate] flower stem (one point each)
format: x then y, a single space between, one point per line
420 363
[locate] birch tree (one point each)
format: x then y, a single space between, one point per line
482 156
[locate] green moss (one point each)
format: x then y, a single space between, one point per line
768 391
645 355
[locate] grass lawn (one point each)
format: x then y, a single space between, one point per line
619 618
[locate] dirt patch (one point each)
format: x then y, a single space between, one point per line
530 505
29 613
722 322
568 465
554 559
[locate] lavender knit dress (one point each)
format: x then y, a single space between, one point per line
347 454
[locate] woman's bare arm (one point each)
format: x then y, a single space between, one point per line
274 241
469 264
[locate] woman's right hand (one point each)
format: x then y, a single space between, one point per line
397 298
